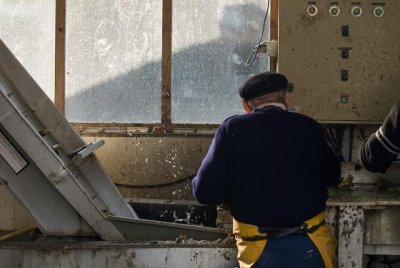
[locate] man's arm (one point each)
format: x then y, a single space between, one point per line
382 147
210 183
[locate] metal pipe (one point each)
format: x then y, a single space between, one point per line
17 232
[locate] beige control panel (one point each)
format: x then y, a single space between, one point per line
343 58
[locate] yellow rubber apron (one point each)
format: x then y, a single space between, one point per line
250 251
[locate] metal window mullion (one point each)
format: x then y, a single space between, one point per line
59 87
166 63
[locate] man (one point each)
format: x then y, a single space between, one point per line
382 147
271 167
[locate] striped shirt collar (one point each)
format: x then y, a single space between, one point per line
386 143
275 104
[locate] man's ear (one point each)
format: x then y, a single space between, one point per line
246 106
286 98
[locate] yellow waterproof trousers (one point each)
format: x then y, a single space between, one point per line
250 251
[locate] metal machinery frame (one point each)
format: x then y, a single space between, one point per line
56 176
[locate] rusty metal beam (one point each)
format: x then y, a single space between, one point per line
60 55
166 63
273 30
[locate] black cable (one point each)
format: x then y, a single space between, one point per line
254 53
33 235
339 132
334 136
351 133
362 133
387 261
373 259
340 129
330 137
391 262
154 185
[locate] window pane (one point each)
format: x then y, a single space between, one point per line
211 42
114 61
27 28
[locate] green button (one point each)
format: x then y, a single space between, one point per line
344 99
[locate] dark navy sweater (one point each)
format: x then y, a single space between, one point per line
271 167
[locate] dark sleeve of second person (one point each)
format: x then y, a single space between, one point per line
210 183
331 165
382 147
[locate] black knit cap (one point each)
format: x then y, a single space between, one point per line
264 83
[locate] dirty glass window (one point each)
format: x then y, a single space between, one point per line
28 30
113 65
211 42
